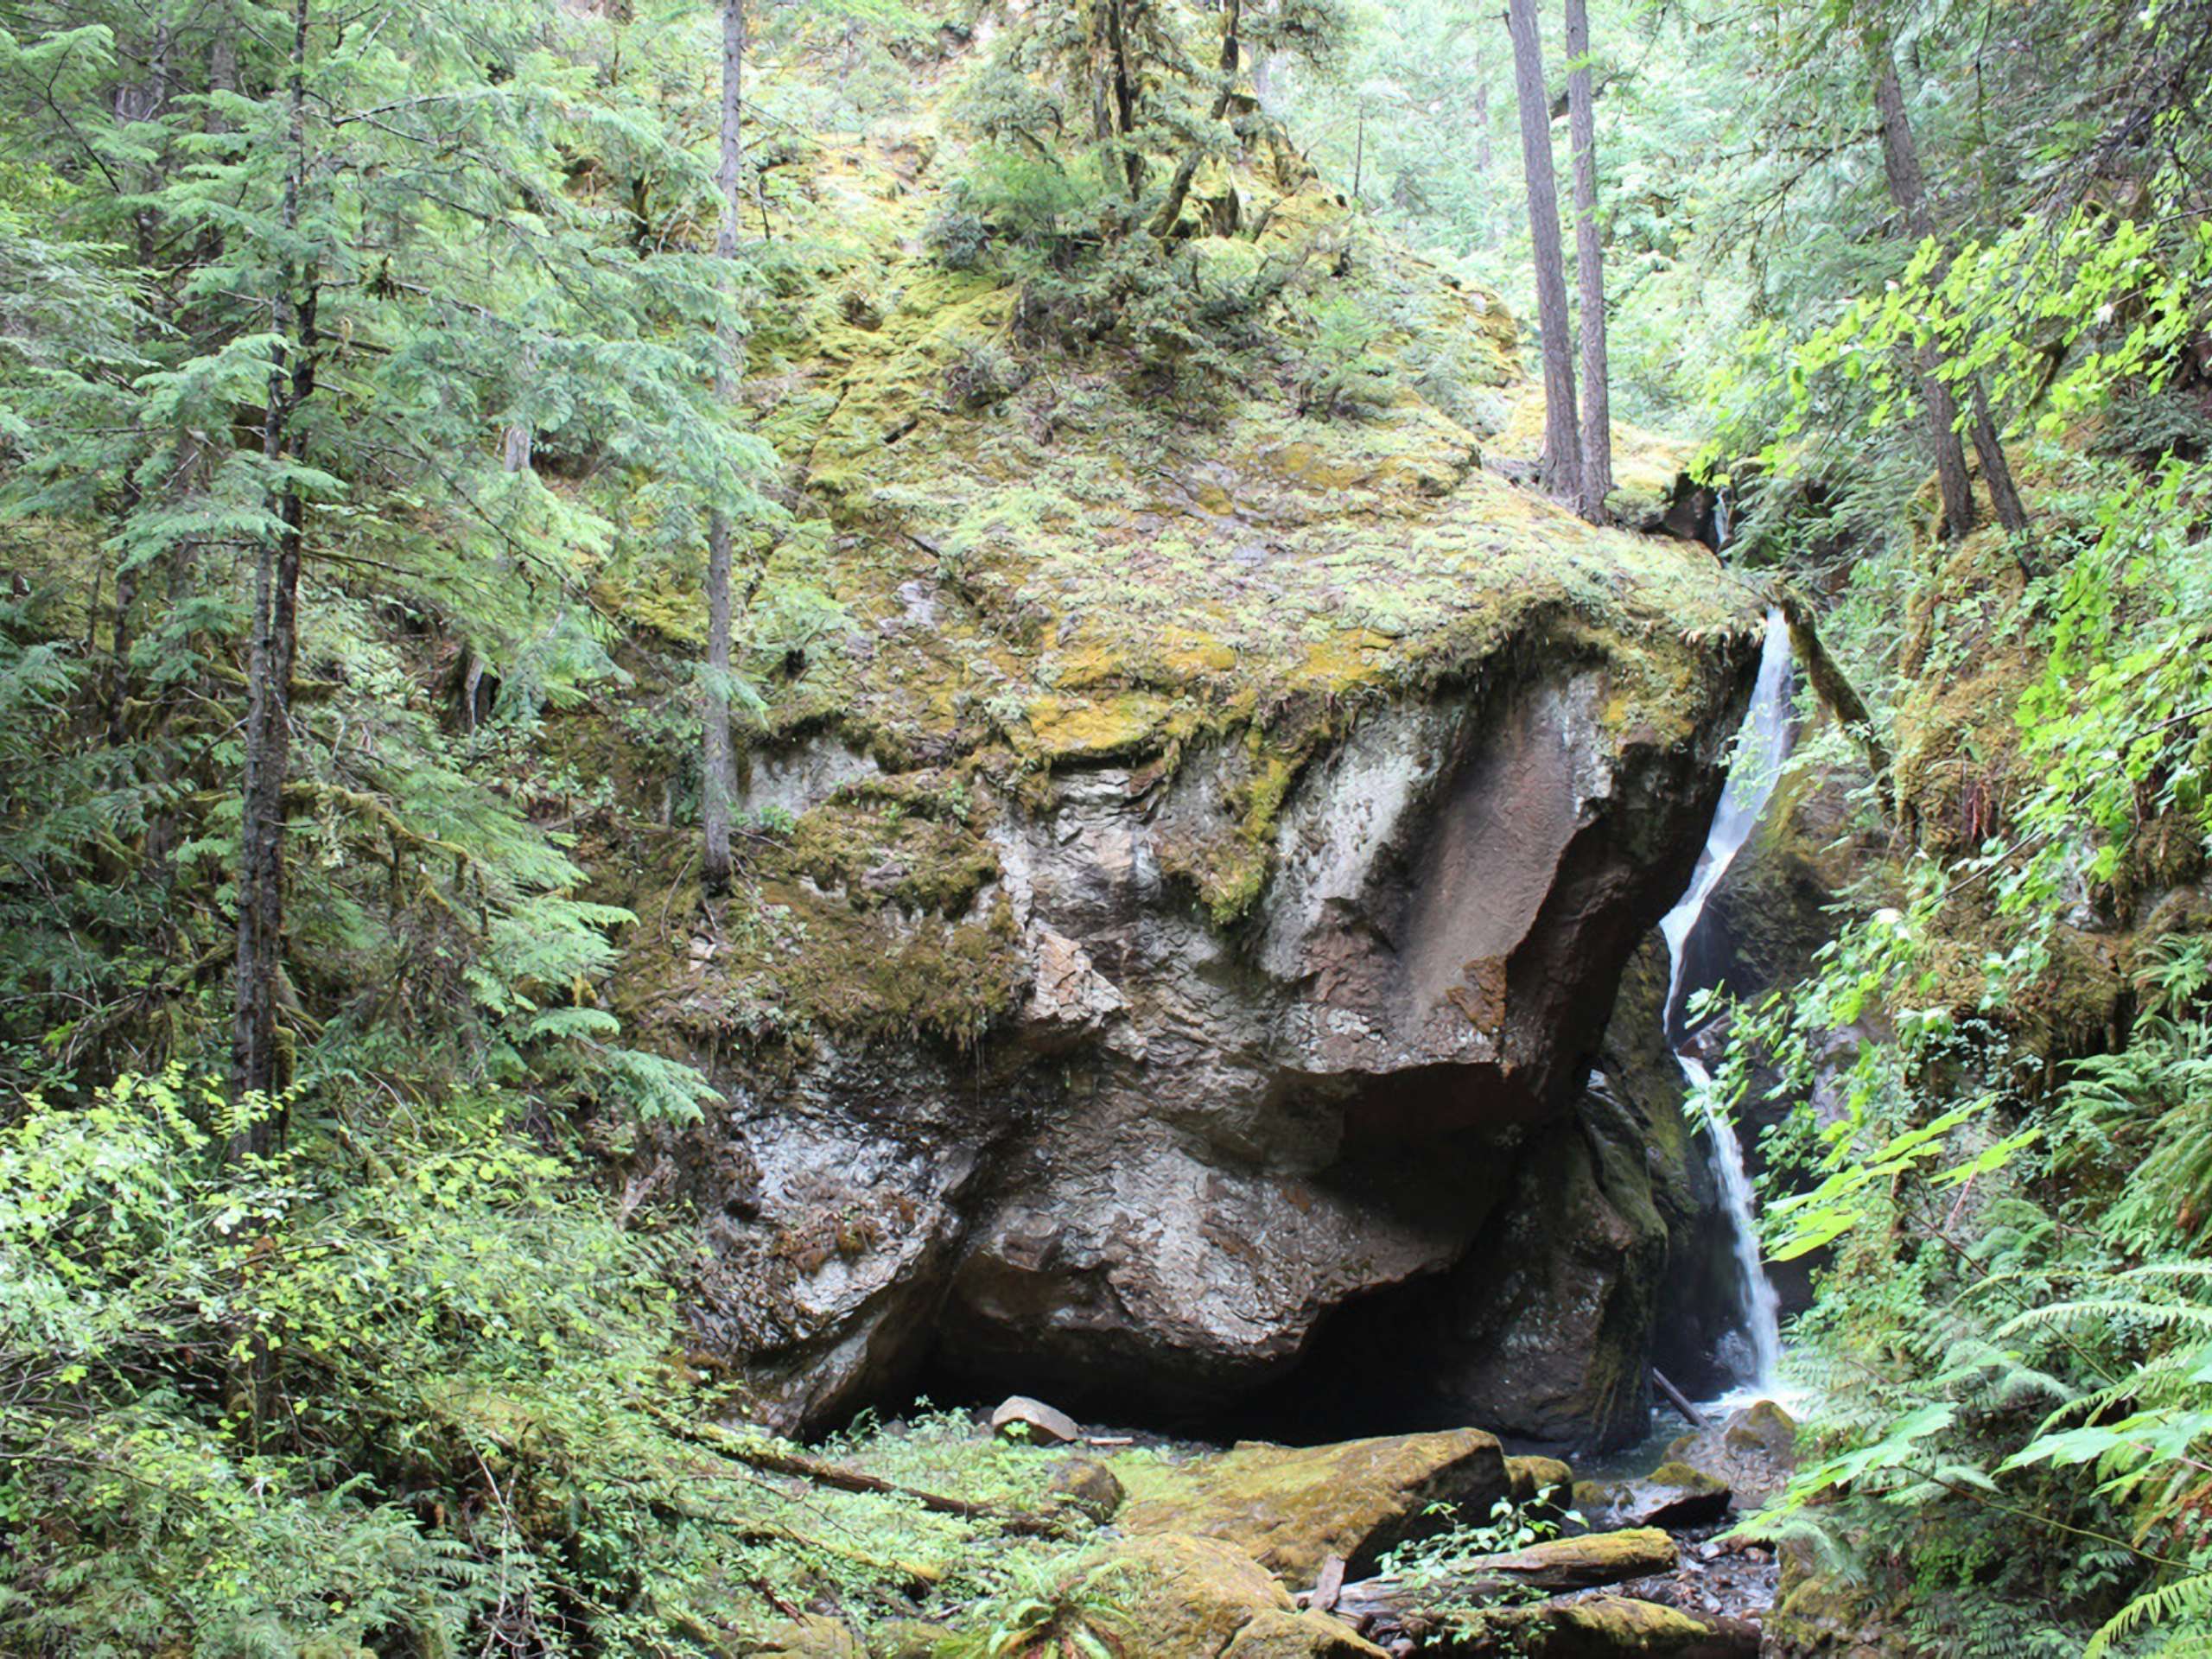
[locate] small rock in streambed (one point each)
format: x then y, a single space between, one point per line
1020 1418
1087 1487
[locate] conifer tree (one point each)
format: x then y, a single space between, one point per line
718 784
1560 468
379 299
1597 443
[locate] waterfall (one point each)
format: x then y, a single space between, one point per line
1762 747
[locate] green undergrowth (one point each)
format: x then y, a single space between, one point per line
410 1383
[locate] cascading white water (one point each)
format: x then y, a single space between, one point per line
1762 747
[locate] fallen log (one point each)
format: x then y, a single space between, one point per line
772 1459
1677 1399
1562 1564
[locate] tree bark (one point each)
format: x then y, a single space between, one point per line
1909 190
1597 480
1113 88
254 1060
719 782
1996 470
1560 468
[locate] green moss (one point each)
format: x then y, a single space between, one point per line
1071 572
866 974
1532 1478
1290 1508
881 845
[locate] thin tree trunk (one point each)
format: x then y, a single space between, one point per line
1908 189
1113 89
1179 187
126 593
515 444
718 784
1996 470
1483 149
1560 468
1597 480
268 672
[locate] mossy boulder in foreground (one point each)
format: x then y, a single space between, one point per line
1292 1507
1200 1596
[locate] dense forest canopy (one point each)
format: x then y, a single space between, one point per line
442 444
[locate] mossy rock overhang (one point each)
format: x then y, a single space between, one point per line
1205 839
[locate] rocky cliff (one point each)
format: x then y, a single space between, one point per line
1193 852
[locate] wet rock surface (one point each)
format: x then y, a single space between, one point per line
1673 1495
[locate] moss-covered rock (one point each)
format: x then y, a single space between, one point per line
1673 1495
1292 1507
1608 1627
1088 1487
1202 1596
1752 1450
1196 836
1533 1477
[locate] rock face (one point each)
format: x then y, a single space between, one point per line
1290 1508
1607 1249
1185 1145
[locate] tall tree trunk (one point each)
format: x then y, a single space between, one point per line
1561 469
268 669
719 783
1909 190
1597 480
136 102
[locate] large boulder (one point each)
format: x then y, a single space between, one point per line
1191 862
1291 1507
1187 1145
